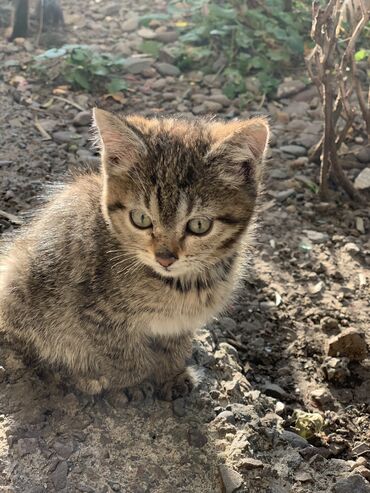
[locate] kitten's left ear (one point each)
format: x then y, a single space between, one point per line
121 147
243 142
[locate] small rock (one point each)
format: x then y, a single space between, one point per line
351 247
329 324
322 397
196 438
364 471
228 323
278 174
316 236
290 87
335 369
166 36
130 25
294 150
64 449
65 137
249 463
199 109
274 390
82 119
361 448
59 475
350 343
293 439
219 98
26 446
352 484
303 477
364 155
146 33
284 194
231 479
213 106
362 180
167 69
228 416
137 64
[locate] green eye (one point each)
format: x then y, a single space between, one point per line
140 219
199 225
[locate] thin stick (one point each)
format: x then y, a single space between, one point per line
71 103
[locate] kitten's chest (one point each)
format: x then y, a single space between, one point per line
173 311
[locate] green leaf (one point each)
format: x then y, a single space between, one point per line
116 85
151 47
53 53
361 55
79 77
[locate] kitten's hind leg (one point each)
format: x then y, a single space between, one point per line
140 392
180 385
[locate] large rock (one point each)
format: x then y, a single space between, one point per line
363 179
350 344
167 69
352 484
290 87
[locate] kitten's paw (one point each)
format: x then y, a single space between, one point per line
140 392
180 386
92 386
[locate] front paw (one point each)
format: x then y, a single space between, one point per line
180 386
140 392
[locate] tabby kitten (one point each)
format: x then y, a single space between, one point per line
112 278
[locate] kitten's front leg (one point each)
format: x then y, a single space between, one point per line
172 376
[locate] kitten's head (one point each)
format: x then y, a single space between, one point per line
179 194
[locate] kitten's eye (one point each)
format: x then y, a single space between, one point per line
199 225
140 219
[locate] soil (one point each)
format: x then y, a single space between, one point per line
296 340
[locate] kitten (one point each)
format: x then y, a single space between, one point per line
112 278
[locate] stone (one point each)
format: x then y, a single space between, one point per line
231 479
59 475
294 150
350 343
248 463
137 64
27 446
213 106
196 438
293 439
65 137
316 236
167 69
64 449
228 416
129 25
284 194
178 407
290 87
199 109
362 180
322 397
228 323
166 36
361 448
351 247
364 471
219 98
146 33
353 484
297 110
82 119
364 155
336 369
274 390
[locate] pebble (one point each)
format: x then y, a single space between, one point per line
353 484
249 463
362 180
289 87
178 407
146 33
294 150
167 69
231 479
65 137
64 449
284 194
322 397
350 343
130 25
136 64
293 439
213 106
228 416
361 448
316 236
228 323
336 369
166 36
59 476
82 119
364 155
27 446
274 390
219 98
196 438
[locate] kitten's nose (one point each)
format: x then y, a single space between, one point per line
165 257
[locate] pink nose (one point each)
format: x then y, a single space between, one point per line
165 257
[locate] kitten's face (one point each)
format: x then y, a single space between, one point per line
180 195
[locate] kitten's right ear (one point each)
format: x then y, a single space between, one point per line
120 146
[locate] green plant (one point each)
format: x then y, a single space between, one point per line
249 37
83 67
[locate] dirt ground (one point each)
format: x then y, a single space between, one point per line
296 340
